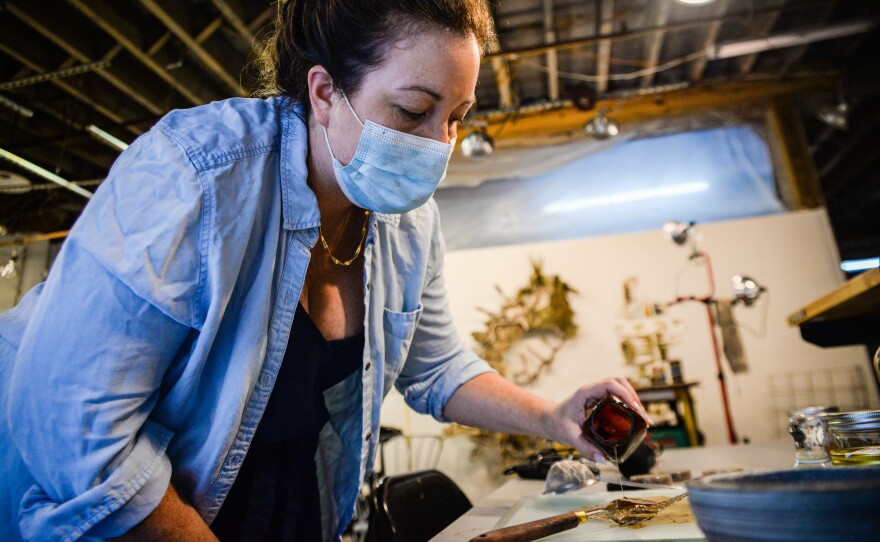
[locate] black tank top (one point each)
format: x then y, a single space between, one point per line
275 495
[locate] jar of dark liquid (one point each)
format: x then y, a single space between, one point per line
614 427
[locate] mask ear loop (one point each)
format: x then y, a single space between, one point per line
350 108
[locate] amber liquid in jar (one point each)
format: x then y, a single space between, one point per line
614 427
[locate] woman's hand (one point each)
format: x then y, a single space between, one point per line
564 421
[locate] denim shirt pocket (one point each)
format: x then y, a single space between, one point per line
399 330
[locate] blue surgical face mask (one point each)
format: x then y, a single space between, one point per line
391 172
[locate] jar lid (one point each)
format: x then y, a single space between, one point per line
856 420
813 411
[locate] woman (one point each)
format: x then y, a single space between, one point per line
252 278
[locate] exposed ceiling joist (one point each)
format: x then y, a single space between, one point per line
76 46
231 11
501 68
642 32
552 59
658 15
708 40
73 90
173 15
605 16
795 54
762 27
127 34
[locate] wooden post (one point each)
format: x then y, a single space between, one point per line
796 176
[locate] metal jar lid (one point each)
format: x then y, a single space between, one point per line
813 411
859 420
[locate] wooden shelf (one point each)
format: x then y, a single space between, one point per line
858 297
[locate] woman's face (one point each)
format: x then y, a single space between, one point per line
424 87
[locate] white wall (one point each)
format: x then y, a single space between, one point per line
792 254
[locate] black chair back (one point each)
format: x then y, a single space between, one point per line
415 507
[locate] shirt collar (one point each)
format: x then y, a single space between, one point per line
299 206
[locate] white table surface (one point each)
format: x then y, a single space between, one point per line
488 512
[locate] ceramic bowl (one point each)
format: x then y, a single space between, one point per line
828 504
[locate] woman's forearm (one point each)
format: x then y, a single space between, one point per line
491 402
173 520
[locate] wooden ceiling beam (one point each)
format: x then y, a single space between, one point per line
77 47
231 11
605 18
642 32
795 54
567 121
13 50
796 179
129 36
552 57
761 27
711 36
173 16
500 67
658 14
262 19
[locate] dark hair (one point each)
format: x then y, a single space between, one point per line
347 37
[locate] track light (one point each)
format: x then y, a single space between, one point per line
678 232
836 116
682 233
601 126
746 290
477 144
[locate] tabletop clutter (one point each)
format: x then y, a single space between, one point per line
830 493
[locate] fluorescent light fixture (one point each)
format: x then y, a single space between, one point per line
788 39
854 266
625 197
112 140
17 107
696 2
34 168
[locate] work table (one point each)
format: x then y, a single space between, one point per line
489 511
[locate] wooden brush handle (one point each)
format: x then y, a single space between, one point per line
533 530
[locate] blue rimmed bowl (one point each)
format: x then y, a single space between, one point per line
829 504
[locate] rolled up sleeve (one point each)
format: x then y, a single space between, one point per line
117 306
438 362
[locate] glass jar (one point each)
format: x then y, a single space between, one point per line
809 430
854 437
614 427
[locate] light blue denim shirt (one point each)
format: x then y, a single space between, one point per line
149 353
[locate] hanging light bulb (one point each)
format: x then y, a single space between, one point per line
746 290
836 116
477 144
601 126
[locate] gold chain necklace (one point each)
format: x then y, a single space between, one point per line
356 252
